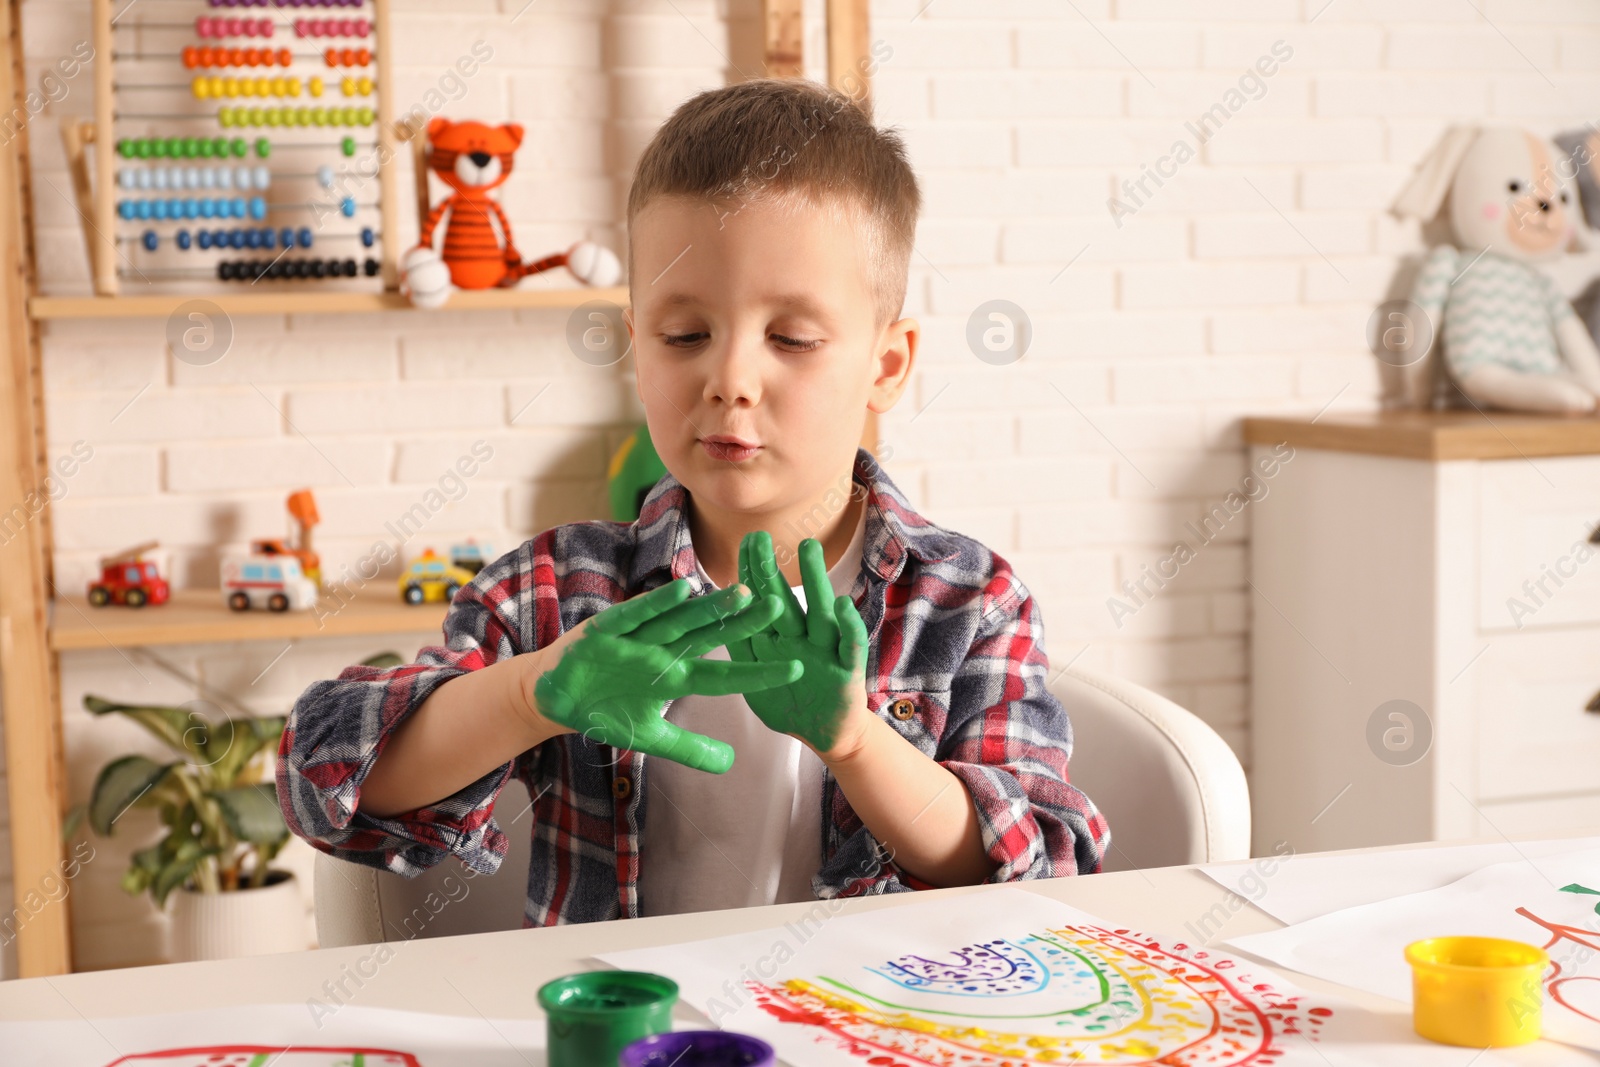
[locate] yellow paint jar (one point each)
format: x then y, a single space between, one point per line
1476 991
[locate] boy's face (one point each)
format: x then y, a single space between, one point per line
758 348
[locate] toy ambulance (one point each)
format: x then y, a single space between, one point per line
266 581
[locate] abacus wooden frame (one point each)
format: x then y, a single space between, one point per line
29 669
102 212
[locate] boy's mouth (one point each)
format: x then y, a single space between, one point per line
728 448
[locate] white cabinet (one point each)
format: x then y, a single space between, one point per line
1426 629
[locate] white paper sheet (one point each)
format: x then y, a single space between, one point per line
276 1035
1364 947
1012 977
1294 888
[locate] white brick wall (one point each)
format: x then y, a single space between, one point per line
1241 285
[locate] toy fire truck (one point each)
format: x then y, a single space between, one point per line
128 578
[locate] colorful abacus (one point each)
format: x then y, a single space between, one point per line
155 176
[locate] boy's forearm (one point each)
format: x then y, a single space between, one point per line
466 728
920 812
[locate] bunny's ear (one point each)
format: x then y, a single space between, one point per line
1425 192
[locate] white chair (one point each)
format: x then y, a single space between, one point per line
1172 790
359 905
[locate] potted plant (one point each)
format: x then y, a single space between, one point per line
219 805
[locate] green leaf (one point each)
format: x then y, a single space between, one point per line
74 820
235 742
180 728
252 812
383 660
121 784
178 871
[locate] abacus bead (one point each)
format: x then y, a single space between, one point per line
183 239
225 271
263 147
319 269
258 208
221 178
299 27
363 57
149 240
263 177
348 146
191 176
347 207
369 267
305 237
314 86
191 57
268 238
127 177
285 57
207 208
347 85
365 85
302 116
252 117
141 209
366 116
158 209
125 209
243 208
125 148
239 239
349 268
266 27
362 25
367 237
141 178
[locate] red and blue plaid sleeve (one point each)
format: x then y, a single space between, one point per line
339 727
1008 740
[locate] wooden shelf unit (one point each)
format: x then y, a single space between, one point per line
302 302
198 616
33 629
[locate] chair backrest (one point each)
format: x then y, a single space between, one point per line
1171 789
358 905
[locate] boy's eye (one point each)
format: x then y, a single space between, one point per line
797 345
683 340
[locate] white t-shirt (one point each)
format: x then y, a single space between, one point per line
748 837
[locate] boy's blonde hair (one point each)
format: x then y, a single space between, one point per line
773 138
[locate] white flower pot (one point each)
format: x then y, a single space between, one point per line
246 922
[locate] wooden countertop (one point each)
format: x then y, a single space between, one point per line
1433 435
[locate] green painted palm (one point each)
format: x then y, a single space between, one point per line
829 638
611 684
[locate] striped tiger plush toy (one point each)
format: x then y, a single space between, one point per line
472 158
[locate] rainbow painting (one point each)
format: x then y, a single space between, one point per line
1081 995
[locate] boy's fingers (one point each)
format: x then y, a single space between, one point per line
852 634
820 627
624 617
741 652
699 612
720 678
764 566
730 630
691 749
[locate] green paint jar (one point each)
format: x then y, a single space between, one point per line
590 1017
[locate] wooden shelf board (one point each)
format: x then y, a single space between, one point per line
289 301
1434 435
198 616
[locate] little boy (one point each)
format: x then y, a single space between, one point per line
708 709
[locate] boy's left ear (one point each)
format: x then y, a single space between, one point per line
897 354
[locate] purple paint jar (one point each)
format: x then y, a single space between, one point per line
698 1048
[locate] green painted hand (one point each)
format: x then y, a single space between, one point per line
611 683
828 637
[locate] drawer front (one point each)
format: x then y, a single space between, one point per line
1537 567
1553 817
1534 736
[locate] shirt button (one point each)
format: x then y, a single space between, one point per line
620 788
903 709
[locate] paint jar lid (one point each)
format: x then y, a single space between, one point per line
698 1048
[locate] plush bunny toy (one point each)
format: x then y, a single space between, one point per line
1510 339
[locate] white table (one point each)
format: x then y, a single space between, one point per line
497 975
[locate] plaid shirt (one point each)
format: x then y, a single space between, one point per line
957 667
